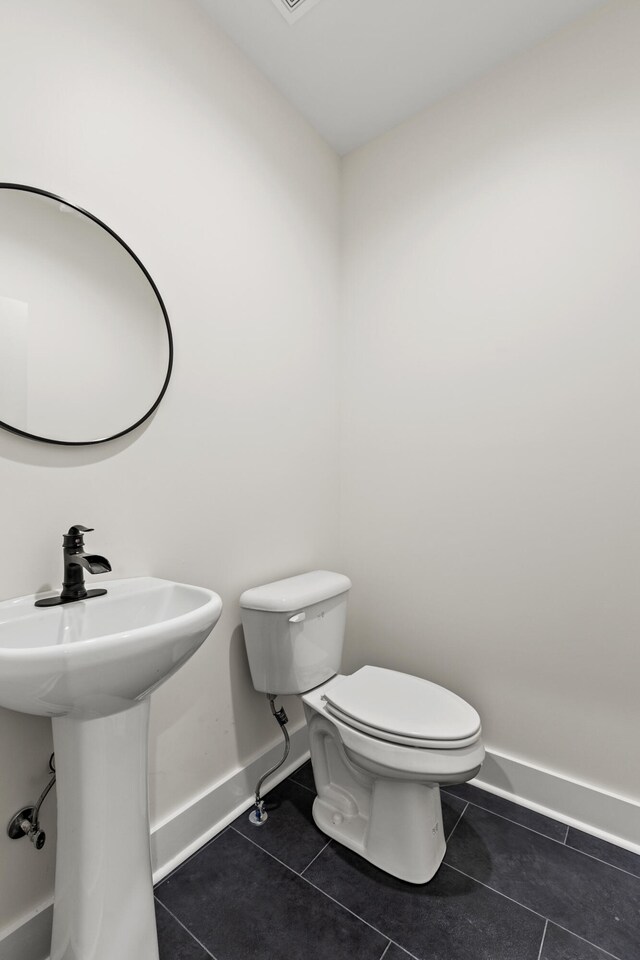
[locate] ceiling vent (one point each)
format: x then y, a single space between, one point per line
292 10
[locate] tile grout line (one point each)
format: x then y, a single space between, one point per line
544 933
323 892
268 853
562 843
404 949
493 890
384 952
195 853
450 834
186 929
566 836
316 857
303 785
605 863
530 910
515 822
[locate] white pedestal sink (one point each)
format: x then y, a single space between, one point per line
91 665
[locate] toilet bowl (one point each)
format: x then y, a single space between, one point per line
379 787
381 742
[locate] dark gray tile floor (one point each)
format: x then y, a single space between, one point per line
514 885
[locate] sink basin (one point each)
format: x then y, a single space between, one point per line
96 657
91 665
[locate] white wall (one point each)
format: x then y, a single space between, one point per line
148 117
491 454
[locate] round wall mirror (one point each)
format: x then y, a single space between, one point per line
85 342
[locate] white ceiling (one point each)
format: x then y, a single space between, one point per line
355 68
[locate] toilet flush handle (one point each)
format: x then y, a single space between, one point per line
298 617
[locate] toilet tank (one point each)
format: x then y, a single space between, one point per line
294 630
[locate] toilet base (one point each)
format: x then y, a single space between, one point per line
396 824
403 834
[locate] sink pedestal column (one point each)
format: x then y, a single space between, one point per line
104 908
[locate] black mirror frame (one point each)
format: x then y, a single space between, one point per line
163 390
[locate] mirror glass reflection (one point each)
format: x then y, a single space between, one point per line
85 342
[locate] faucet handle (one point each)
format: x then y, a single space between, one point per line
77 528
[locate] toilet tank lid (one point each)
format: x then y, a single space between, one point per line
294 593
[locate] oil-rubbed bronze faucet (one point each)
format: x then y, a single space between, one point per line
76 561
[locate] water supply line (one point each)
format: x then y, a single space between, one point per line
258 815
26 822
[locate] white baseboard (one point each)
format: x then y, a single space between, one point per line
174 839
30 938
605 815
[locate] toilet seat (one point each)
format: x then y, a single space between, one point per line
452 763
402 709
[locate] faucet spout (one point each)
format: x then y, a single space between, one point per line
92 562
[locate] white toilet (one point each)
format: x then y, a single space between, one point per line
381 741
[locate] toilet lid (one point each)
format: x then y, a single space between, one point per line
403 709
